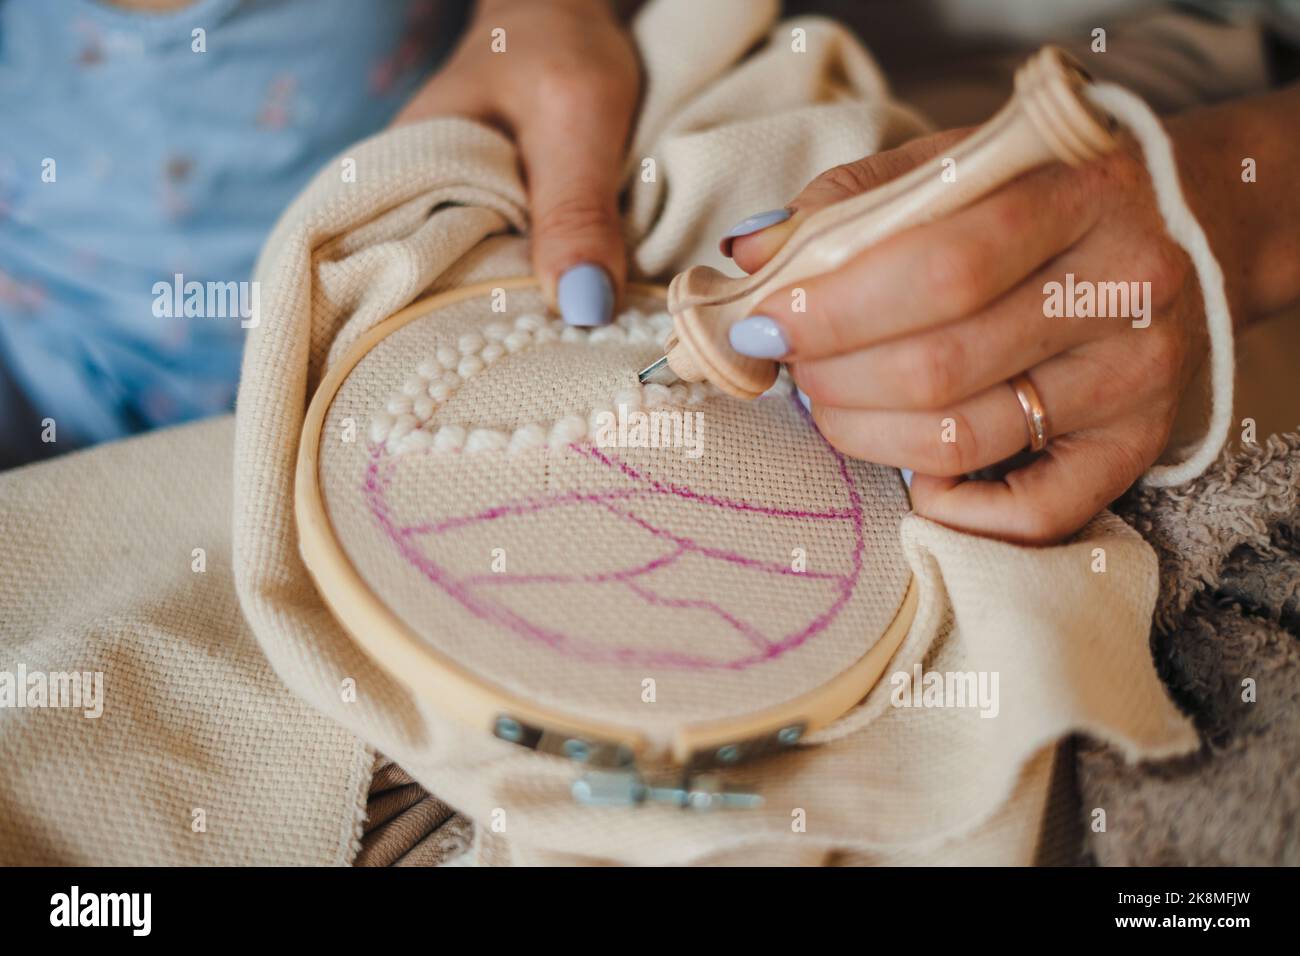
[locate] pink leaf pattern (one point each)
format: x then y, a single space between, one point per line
628 489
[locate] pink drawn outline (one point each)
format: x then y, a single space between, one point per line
404 538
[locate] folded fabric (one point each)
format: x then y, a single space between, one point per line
408 826
116 561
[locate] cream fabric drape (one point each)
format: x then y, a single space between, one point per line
96 548
726 133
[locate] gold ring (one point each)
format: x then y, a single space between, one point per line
1032 405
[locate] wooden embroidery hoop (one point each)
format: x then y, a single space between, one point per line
481 704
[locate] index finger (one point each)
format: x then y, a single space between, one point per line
751 251
931 274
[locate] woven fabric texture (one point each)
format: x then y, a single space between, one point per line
616 564
886 779
97 549
201 756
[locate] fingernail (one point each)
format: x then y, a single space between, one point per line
750 225
758 337
585 295
907 476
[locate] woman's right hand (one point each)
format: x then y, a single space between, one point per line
907 349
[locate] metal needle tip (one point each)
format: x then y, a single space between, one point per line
657 372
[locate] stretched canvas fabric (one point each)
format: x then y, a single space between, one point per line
97 549
621 563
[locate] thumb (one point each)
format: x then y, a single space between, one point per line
751 252
573 168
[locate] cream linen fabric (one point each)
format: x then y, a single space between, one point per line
1070 645
95 551
97 573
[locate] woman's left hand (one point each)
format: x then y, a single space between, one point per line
906 350
565 88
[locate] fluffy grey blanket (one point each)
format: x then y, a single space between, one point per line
1225 642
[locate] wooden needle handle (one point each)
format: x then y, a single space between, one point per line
1046 120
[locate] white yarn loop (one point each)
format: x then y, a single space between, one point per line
408 420
1158 153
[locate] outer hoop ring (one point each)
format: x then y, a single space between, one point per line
467 697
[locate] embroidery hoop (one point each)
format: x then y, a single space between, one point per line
459 692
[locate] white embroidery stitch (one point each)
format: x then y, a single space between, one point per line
406 421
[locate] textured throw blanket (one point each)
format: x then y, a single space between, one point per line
1227 643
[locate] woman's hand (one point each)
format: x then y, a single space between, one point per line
905 351
565 89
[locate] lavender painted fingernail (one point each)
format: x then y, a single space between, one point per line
585 295
751 225
758 337
804 400
907 476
